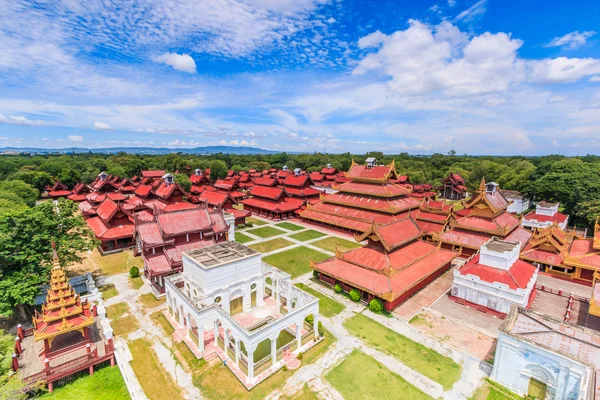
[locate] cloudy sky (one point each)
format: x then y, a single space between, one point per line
479 77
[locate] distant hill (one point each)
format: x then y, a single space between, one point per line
144 150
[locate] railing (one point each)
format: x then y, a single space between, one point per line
307 337
70 367
562 293
262 365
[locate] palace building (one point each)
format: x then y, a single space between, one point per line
433 217
453 187
547 249
394 265
232 305
68 335
368 197
483 217
271 201
545 214
495 278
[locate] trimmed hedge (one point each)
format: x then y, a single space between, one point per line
337 288
134 272
354 295
376 306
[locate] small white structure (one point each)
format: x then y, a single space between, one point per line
545 214
545 358
519 203
495 278
247 312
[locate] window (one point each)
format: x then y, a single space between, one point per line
253 287
218 299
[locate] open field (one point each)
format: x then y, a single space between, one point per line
108 291
420 358
149 301
361 377
117 263
289 226
117 310
125 325
307 235
266 232
271 245
295 261
156 382
159 319
332 243
106 384
328 307
255 221
241 238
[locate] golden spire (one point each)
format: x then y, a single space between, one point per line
482 186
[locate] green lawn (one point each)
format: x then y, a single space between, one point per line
420 358
136 282
307 235
289 226
490 390
125 325
150 301
271 245
159 319
241 238
117 310
156 382
106 384
217 382
361 377
295 261
255 221
108 291
328 307
332 243
117 263
266 232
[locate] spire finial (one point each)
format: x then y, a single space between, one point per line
482 185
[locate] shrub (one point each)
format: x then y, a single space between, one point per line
299 356
354 295
320 329
316 274
284 368
134 272
376 305
337 288
310 319
249 224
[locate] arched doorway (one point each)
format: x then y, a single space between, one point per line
236 302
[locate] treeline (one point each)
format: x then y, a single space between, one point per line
573 181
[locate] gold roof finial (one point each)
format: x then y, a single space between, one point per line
482 185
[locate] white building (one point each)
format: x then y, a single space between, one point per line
545 214
495 278
519 204
230 303
547 359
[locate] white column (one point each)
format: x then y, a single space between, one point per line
276 295
289 303
200 336
225 341
316 324
216 331
299 335
180 312
274 351
237 352
250 363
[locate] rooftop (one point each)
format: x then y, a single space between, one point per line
500 246
219 254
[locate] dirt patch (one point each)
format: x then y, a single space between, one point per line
426 297
457 335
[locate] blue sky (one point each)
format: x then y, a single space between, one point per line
479 77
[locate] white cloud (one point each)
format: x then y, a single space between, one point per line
451 3
180 62
331 20
563 69
102 126
595 78
470 13
571 41
76 138
20 120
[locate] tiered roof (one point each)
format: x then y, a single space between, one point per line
484 216
393 263
548 246
63 311
433 216
455 181
369 197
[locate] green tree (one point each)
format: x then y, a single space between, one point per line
218 170
37 179
26 238
184 181
21 189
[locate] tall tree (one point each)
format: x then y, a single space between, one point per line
218 170
21 189
26 238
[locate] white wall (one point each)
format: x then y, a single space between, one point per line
518 206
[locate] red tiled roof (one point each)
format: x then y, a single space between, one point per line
86 206
157 263
357 213
77 197
267 192
362 172
265 181
219 224
143 190
557 217
373 189
182 222
316 176
387 205
178 206
238 213
59 193
432 217
336 220
105 233
153 173
165 190
471 240
174 252
517 276
285 204
144 216
430 227
520 234
115 196
297 181
299 192
107 210
499 225
215 199
150 235
328 171
542 256
497 201
223 184
397 233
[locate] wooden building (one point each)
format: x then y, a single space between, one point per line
453 187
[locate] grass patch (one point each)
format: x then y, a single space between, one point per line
117 310
490 390
307 235
108 291
106 384
271 245
266 232
304 394
420 358
295 261
328 307
159 319
194 363
332 243
255 221
217 382
125 325
149 301
418 320
136 283
156 382
117 263
289 226
361 377
241 238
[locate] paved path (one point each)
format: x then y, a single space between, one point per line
161 343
